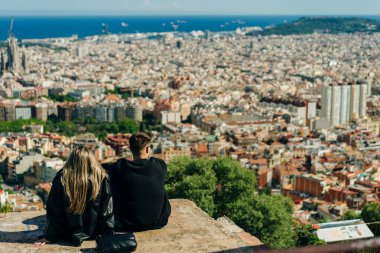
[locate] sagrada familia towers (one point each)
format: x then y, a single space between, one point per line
15 63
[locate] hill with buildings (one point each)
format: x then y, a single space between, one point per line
330 25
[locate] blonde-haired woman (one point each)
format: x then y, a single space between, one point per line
79 205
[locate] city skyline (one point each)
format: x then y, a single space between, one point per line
259 117
175 7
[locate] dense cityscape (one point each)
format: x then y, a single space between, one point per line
301 112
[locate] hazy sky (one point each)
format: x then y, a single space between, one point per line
159 7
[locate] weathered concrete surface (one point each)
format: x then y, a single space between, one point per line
189 230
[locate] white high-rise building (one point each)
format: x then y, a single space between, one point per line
343 103
345 115
369 90
336 106
311 109
363 100
326 102
355 101
170 117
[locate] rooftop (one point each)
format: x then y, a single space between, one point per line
189 230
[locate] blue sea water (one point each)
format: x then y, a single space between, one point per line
27 27
48 27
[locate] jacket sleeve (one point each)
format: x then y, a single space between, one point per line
55 212
109 167
106 217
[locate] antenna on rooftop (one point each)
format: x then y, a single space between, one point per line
10 34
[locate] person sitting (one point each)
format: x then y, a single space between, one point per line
79 205
140 200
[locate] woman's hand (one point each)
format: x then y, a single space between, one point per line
41 242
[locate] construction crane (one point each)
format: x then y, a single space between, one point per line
10 34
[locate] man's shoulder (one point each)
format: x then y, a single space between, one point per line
157 160
161 163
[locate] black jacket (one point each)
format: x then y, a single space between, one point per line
97 219
140 200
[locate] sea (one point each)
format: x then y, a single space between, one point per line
39 27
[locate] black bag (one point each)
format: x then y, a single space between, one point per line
77 239
116 243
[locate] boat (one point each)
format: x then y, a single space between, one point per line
105 28
123 24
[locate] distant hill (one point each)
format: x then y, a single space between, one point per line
330 25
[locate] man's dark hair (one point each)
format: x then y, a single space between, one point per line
138 141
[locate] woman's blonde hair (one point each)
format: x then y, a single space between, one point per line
81 173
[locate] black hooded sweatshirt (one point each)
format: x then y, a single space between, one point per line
140 200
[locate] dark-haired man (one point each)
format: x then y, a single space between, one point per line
140 200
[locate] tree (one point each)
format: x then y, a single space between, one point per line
370 214
112 127
88 121
306 235
192 179
67 128
53 118
17 125
268 218
222 187
265 191
234 183
351 215
102 135
62 98
100 129
128 126
322 219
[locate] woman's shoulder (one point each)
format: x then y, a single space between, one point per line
58 176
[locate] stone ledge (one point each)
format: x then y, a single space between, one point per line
189 230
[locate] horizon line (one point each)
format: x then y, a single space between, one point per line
6 13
